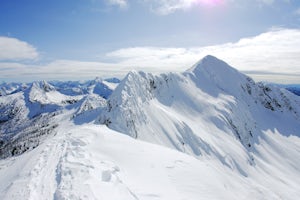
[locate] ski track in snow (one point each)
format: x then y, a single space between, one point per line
65 168
93 162
77 164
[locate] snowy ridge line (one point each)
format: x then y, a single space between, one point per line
210 132
211 89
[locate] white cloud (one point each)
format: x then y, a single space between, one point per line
59 70
275 52
165 7
270 2
120 3
14 49
272 56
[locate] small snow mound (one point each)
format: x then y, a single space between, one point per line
106 175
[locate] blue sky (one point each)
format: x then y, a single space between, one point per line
82 39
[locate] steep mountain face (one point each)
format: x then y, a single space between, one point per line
211 110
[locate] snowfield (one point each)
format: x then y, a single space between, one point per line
94 162
208 133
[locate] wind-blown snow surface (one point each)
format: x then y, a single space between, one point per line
215 134
93 162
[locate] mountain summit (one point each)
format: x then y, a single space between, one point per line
218 72
211 64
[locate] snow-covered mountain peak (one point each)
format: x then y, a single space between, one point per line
211 64
133 84
42 92
217 72
43 85
97 86
97 80
132 92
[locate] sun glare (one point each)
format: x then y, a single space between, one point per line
211 2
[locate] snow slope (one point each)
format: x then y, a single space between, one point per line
93 162
208 133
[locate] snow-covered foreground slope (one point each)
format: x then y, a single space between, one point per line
93 162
